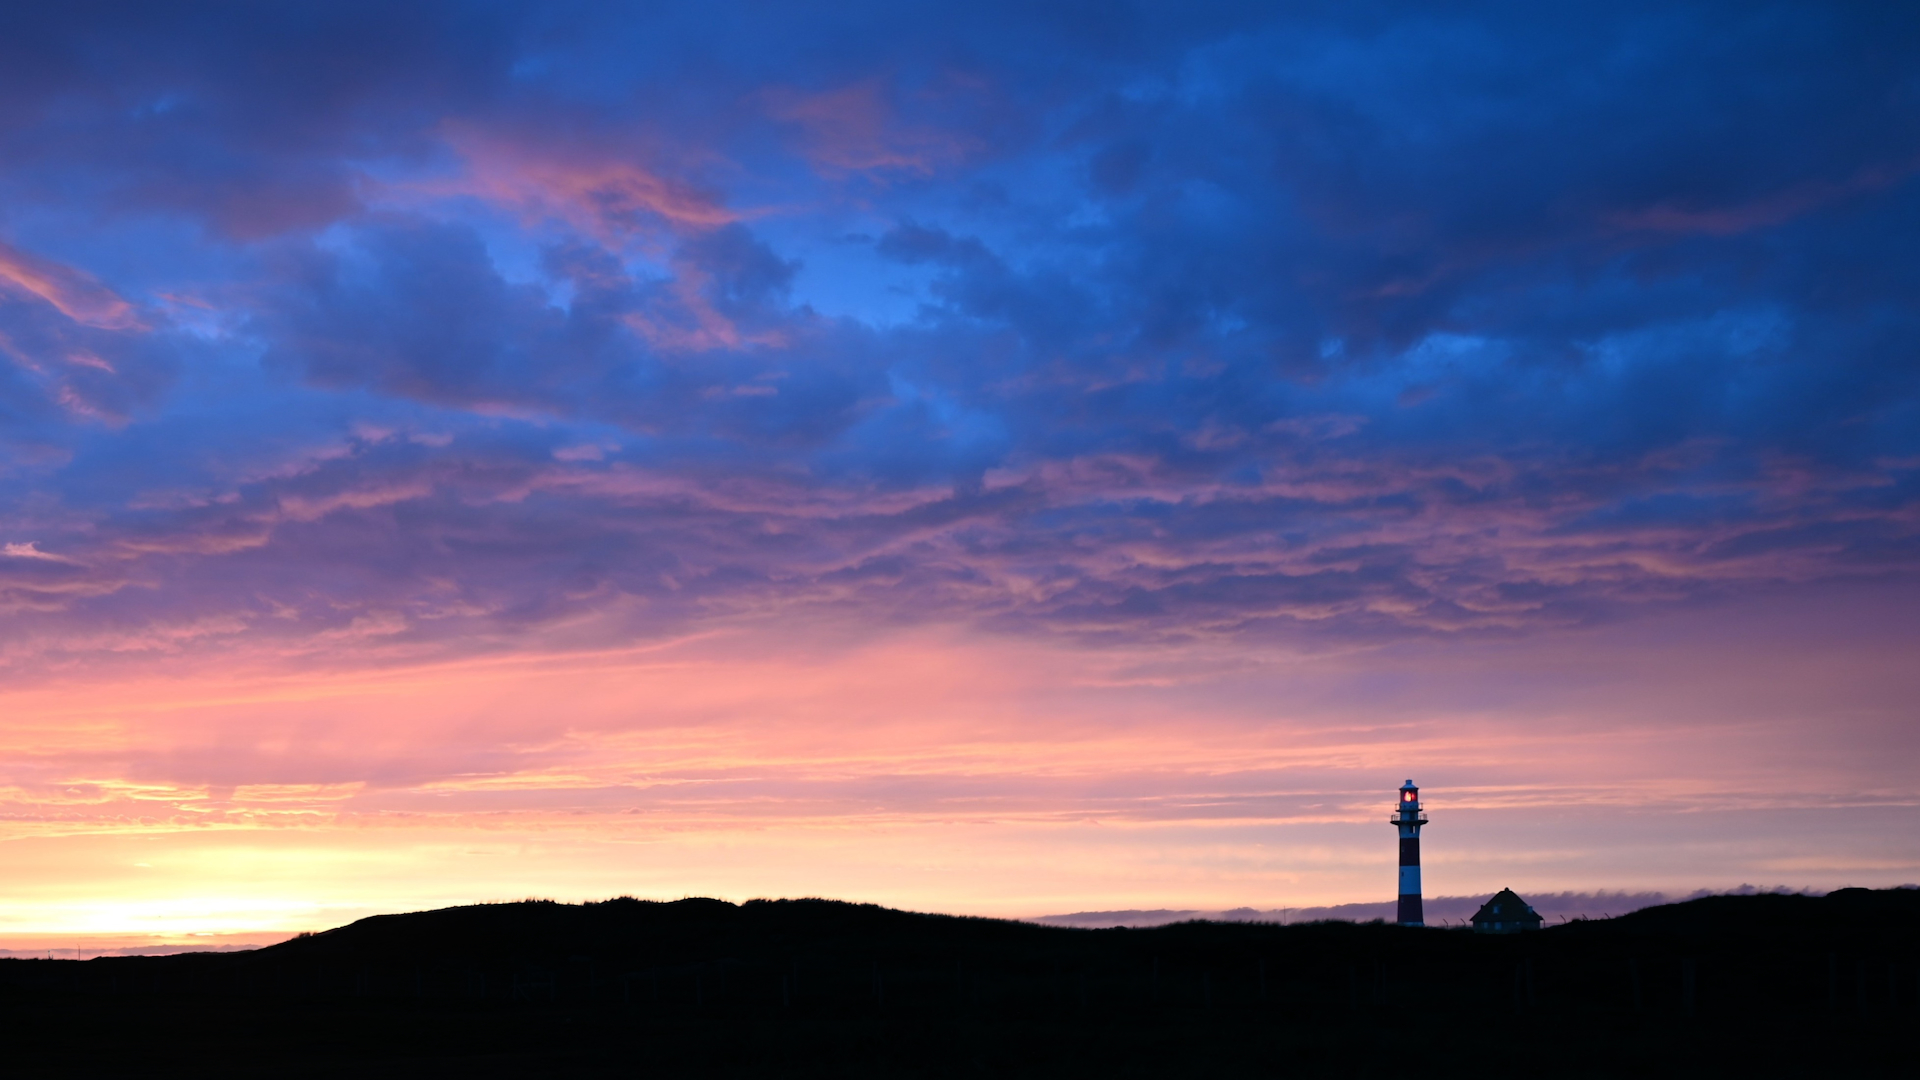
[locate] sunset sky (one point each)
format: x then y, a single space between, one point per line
997 458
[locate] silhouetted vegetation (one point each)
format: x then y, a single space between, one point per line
1752 985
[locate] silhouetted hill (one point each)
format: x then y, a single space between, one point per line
1754 985
1840 912
636 932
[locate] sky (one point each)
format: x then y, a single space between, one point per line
1012 459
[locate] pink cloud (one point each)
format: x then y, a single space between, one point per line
311 507
1763 212
858 129
612 195
29 550
77 295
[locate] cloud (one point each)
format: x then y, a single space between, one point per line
1201 327
614 199
72 354
856 129
75 294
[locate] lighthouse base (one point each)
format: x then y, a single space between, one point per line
1410 913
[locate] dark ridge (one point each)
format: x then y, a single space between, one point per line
1779 913
645 932
1728 985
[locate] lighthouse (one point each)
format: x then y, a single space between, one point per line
1408 817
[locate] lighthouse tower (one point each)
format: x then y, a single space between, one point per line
1408 817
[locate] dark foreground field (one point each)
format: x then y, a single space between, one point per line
1751 986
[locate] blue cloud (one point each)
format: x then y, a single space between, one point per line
1217 321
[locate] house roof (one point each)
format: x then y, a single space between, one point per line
1506 906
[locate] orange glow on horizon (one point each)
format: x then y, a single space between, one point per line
936 771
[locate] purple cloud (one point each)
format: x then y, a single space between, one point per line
1221 325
